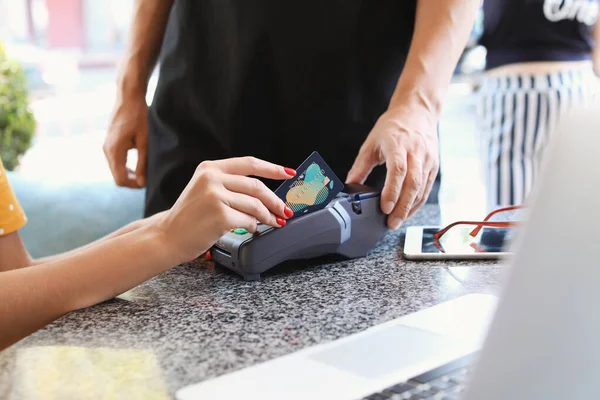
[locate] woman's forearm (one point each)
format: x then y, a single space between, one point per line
32 297
133 226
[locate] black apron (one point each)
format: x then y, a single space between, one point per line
274 79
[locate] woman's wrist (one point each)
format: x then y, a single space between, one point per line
164 234
160 241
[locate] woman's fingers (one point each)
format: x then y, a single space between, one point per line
253 207
253 166
246 195
240 219
255 188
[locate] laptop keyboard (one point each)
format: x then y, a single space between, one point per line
446 382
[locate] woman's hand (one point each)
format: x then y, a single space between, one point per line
219 197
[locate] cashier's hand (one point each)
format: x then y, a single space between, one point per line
221 196
406 140
128 130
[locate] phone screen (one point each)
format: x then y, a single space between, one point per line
458 241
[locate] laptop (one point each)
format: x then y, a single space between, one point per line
539 340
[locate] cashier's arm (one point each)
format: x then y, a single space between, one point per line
596 49
405 137
129 127
441 33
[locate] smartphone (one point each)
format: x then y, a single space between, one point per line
456 244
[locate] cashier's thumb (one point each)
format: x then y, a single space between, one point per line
140 170
362 167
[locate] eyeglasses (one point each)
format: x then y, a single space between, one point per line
479 225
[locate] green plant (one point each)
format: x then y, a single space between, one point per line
17 123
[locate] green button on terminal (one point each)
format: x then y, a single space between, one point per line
240 231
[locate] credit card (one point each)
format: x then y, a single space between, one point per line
313 187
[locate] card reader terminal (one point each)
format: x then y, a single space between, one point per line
350 226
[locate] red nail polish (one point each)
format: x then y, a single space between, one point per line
288 212
280 221
290 171
208 256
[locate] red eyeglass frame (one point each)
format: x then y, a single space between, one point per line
481 224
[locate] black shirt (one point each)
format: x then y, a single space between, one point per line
274 79
538 30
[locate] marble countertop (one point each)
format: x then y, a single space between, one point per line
196 322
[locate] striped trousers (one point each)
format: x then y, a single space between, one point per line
517 116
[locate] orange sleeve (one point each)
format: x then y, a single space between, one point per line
12 217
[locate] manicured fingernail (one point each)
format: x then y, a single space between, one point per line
395 223
280 221
388 207
208 256
290 171
288 212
